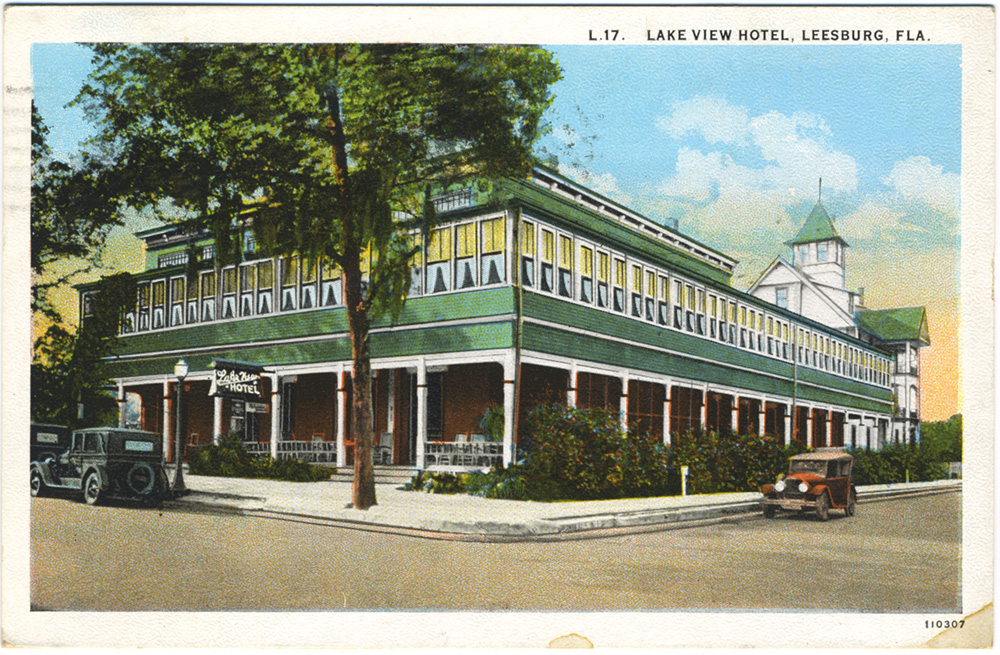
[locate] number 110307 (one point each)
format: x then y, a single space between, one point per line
956 623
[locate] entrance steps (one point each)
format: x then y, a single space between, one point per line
394 475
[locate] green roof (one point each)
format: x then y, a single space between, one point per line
818 227
903 324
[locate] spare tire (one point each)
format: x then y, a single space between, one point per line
141 479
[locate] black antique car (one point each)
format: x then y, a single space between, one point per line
103 462
47 441
815 482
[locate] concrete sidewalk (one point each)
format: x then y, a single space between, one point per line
474 518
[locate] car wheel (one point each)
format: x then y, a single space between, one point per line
770 511
37 484
92 490
852 501
823 507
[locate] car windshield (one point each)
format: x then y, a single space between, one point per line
807 466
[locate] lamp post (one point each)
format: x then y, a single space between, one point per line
180 372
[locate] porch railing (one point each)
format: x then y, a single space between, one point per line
468 455
305 451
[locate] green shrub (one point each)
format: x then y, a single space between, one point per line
894 462
498 482
723 462
583 454
228 458
436 483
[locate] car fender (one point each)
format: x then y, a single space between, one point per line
819 490
767 489
101 474
46 473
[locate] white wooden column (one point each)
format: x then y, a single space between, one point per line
275 412
703 412
509 408
762 417
341 418
828 440
121 404
217 419
571 387
809 427
666 413
167 440
422 412
623 404
734 416
788 424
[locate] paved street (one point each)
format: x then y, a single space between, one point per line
900 555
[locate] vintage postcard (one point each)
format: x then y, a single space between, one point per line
498 326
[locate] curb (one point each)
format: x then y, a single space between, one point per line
549 529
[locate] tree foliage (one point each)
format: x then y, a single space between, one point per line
72 211
68 369
942 440
326 150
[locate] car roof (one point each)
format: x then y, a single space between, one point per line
824 455
125 431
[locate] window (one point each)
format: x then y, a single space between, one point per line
492 266
700 319
465 245
265 286
528 251
308 284
177 301
208 289
248 282
192 302
636 291
781 297
821 252
142 304
439 253
650 295
586 274
548 260
803 254
619 292
603 278
565 266
331 284
289 281
664 307
679 304
159 304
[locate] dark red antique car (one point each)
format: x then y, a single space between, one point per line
815 482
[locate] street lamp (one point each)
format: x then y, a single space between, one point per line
180 372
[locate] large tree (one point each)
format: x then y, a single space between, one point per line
72 211
324 150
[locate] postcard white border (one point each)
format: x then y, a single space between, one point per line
972 27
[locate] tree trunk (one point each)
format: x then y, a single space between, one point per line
363 487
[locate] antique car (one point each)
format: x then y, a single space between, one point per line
102 462
815 482
47 441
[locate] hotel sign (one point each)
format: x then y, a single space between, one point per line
235 380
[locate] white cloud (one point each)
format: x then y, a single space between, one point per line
796 146
713 118
918 180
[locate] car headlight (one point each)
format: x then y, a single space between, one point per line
780 486
803 487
